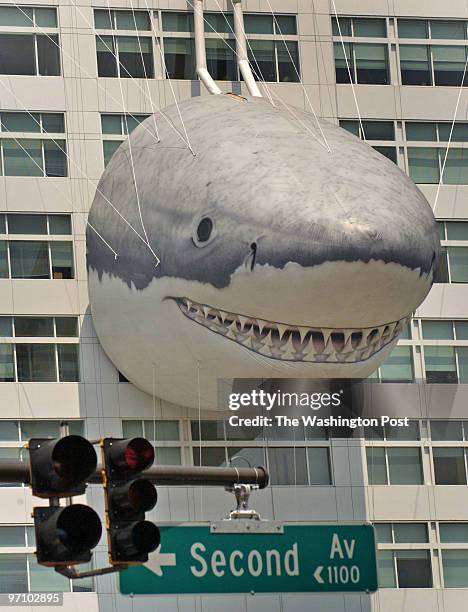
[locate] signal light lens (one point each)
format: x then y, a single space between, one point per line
146 537
78 528
142 495
74 459
139 454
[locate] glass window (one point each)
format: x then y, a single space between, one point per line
350 126
379 130
344 63
415 65
412 28
177 22
457 230
167 456
383 533
242 457
162 430
449 64
179 55
55 157
344 26
48 58
46 17
13 573
453 533
421 130
456 167
399 365
458 259
371 64
462 356
386 569
262 57
410 533
210 455
449 466
21 122
459 132
106 61
27 224
219 22
424 164
448 29
36 362
2 224
16 17
22 157
403 433
388 152
376 468
102 19
440 364
60 225
29 259
461 330
46 578
285 24
131 122
62 259
18 54
68 358
131 50
376 28
109 148
66 326
38 326
220 60
446 431
9 431
413 569
288 61
319 466
53 123
441 228
258 24
404 466
111 124
455 568
4 272
437 330
287 466
441 274
39 429
132 20
76 428
7 363
12 536
131 429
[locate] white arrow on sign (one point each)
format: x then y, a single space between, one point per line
317 575
158 560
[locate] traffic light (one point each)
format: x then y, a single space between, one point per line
59 468
128 497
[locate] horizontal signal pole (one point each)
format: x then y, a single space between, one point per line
17 472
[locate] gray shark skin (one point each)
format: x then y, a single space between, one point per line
314 262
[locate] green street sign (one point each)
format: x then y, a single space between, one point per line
299 558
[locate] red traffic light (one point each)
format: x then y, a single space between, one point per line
128 456
139 454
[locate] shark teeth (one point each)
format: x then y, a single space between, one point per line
294 343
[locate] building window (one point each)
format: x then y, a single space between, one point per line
394 466
121 20
115 126
125 56
30 54
399 366
367 63
433 65
425 165
26 361
415 65
433 28
28 157
449 466
359 26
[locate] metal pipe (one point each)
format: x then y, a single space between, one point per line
17 472
200 49
241 49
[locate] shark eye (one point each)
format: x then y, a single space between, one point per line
204 231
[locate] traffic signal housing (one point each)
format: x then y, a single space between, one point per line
65 535
128 496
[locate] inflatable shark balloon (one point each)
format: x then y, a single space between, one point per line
278 257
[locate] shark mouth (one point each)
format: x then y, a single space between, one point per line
294 343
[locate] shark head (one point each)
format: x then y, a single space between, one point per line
286 248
